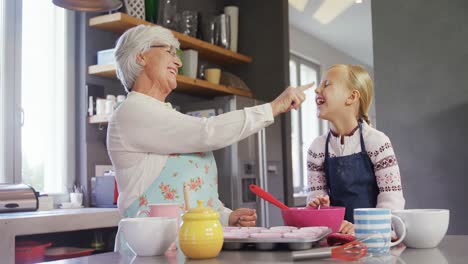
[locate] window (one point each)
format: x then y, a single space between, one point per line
2 93
305 125
44 94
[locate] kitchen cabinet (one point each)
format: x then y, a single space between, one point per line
14 225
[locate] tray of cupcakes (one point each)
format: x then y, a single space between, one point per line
262 238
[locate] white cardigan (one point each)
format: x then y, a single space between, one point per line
380 151
143 131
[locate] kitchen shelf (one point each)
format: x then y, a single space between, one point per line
98 119
120 22
184 83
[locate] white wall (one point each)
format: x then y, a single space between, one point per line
315 50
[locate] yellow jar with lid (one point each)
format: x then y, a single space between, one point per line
201 234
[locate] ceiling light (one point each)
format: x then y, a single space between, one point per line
330 9
89 5
299 4
358 1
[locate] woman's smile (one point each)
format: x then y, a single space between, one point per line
172 70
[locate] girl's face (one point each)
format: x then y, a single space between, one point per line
332 94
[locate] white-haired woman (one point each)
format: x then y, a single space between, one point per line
154 149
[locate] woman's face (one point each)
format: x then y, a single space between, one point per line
331 94
161 66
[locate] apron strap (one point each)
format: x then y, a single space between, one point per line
326 145
363 146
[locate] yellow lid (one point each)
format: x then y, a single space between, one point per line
201 213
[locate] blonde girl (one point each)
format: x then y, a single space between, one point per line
354 164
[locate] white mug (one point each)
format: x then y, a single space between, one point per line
373 226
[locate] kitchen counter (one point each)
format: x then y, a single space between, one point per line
453 249
43 222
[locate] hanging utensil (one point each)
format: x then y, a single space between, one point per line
351 251
267 196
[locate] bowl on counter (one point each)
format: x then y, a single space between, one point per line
331 217
425 228
149 236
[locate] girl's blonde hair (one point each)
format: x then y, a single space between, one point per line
359 79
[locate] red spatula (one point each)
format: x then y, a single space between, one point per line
267 196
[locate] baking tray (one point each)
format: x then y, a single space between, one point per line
273 243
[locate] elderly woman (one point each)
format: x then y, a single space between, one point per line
154 149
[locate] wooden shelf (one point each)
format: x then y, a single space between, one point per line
98 119
184 83
120 22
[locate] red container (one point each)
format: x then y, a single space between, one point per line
310 216
30 251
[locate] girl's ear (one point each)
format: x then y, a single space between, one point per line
353 97
140 60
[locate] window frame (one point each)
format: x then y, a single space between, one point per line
301 60
12 83
11 99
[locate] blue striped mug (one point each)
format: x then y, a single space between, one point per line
373 226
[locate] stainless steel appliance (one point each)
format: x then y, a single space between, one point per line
256 159
18 198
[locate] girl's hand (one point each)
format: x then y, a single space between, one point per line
243 217
347 228
322 200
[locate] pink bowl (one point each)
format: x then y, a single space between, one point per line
309 216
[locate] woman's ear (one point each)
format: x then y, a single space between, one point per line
353 97
140 60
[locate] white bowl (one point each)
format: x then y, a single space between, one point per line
425 228
149 236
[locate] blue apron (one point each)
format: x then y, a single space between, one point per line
351 179
198 170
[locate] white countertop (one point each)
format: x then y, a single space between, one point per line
452 249
42 222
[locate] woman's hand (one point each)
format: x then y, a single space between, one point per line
347 228
323 200
243 217
290 98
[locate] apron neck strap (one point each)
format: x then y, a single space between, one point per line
363 146
326 144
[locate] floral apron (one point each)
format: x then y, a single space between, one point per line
198 170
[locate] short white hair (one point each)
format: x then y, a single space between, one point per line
133 42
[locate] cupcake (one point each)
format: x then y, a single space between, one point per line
289 228
233 235
266 235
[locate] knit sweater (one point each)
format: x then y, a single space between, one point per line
380 151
